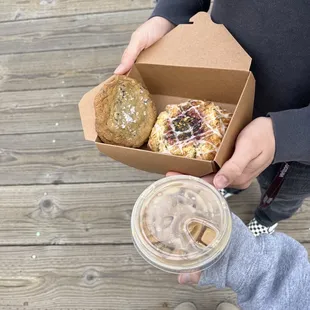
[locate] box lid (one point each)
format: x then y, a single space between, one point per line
200 44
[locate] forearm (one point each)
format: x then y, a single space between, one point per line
180 11
292 133
267 272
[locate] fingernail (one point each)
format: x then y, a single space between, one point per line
220 181
120 69
184 278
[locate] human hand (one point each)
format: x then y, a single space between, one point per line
189 278
254 152
145 36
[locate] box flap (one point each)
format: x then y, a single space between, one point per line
87 114
155 162
242 117
201 44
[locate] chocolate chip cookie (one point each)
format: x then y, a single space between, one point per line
125 112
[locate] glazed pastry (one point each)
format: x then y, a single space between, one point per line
193 129
125 113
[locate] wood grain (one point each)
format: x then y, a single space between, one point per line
92 278
48 110
78 214
82 31
65 239
57 158
96 213
32 9
58 69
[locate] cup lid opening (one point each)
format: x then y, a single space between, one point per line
180 221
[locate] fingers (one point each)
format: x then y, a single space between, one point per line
145 36
255 168
230 171
172 173
136 45
247 162
244 153
189 278
209 178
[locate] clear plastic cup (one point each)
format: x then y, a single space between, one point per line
181 224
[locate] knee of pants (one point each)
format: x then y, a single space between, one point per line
285 206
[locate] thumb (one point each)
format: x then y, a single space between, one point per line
131 53
189 278
146 35
235 166
172 173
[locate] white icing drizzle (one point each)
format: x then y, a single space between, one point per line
197 139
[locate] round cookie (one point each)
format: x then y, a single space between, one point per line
193 129
125 113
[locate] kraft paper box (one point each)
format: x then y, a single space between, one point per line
201 60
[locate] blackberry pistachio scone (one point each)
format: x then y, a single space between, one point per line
193 129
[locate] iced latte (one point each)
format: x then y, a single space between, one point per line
181 224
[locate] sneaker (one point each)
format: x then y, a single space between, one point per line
258 229
226 306
186 306
228 192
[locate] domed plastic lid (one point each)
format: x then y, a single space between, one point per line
181 224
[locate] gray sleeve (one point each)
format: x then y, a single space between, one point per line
180 11
292 133
267 272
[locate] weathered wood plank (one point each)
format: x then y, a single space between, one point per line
32 9
95 30
60 157
58 69
96 213
47 110
83 213
92 278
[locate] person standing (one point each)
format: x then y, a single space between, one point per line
275 146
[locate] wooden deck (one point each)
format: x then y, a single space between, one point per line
65 209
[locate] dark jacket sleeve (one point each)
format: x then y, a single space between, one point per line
180 11
292 133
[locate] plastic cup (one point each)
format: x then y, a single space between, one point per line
181 224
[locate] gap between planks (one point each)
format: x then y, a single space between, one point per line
99 213
35 9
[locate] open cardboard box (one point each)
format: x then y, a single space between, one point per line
201 60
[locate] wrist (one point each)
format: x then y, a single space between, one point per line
291 128
267 137
271 137
162 22
232 268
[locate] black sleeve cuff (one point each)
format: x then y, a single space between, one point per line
292 133
180 11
